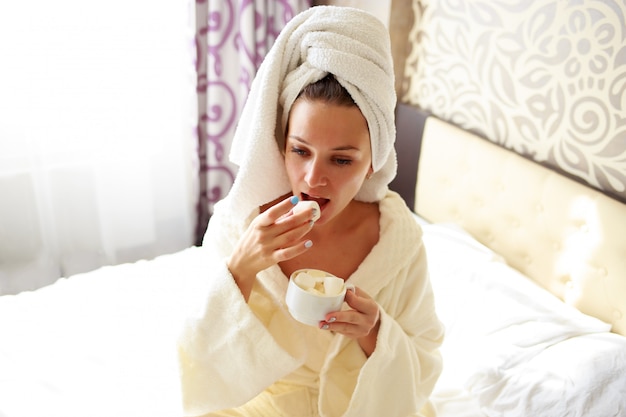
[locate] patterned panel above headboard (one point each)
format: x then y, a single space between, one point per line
546 79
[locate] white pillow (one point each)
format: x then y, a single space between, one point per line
515 347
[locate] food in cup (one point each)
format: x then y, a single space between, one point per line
311 294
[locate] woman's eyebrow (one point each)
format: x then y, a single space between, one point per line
338 148
346 148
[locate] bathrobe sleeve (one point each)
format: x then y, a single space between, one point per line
398 378
226 354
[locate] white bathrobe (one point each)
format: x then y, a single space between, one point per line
231 350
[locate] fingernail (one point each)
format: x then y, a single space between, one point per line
294 200
308 244
325 326
332 319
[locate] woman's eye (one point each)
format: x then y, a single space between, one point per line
343 161
298 151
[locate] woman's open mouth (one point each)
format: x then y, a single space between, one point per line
321 201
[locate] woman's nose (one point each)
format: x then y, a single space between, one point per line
316 176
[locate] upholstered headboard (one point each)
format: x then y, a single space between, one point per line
569 238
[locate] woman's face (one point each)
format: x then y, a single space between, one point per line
327 154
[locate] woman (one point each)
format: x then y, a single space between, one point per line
316 126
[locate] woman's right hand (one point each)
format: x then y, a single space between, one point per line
274 236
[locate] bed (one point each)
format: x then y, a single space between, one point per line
529 273
528 269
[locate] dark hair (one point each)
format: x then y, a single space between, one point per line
328 90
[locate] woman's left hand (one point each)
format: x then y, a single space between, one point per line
360 323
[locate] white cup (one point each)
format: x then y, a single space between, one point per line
310 306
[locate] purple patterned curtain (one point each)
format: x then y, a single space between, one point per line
232 39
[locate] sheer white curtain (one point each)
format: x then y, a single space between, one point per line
233 38
98 114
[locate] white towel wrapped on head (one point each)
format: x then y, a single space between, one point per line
352 45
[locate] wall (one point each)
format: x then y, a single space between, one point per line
546 79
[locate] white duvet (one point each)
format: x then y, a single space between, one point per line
103 343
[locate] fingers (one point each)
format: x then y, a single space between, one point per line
357 322
273 236
283 212
283 227
282 209
287 229
284 254
362 303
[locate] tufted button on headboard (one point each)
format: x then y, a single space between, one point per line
569 238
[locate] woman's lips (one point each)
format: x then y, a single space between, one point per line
320 200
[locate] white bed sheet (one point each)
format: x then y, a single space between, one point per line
98 344
104 343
